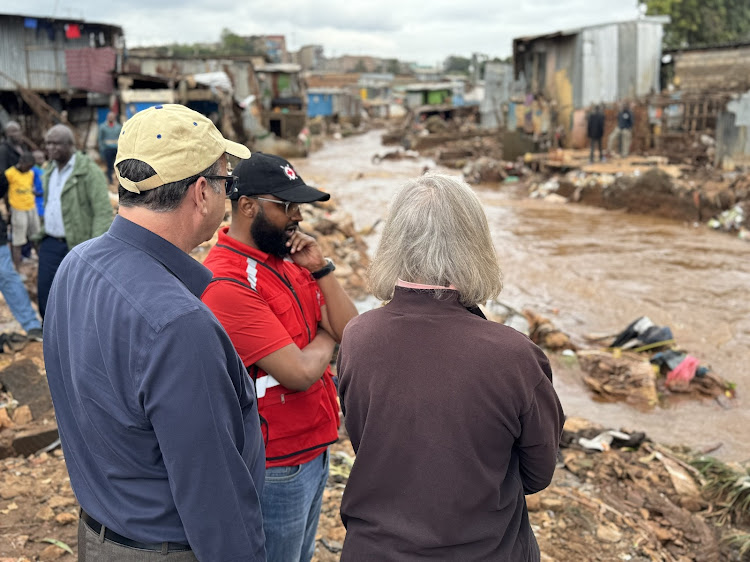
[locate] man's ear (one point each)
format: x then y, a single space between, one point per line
248 207
198 194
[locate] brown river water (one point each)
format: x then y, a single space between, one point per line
594 271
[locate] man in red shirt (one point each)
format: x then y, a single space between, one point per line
274 294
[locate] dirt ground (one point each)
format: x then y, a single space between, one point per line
618 505
638 503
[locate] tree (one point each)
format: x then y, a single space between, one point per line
360 66
392 66
457 64
703 22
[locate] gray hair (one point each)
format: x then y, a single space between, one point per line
12 125
436 233
164 198
65 132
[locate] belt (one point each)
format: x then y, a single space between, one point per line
58 238
110 535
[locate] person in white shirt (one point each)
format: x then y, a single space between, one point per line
77 206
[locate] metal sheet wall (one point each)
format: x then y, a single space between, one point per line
627 61
649 57
37 62
600 47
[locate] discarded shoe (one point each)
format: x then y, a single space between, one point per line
12 342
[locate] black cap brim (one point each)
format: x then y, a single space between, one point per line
302 194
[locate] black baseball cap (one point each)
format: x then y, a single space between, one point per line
269 174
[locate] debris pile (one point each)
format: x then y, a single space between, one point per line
643 364
454 143
636 499
615 496
648 186
624 377
27 421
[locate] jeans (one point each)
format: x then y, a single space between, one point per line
51 254
110 155
291 502
15 293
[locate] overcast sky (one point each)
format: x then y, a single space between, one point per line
410 30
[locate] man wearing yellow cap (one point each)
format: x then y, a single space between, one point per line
157 416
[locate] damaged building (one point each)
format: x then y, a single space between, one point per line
57 71
574 69
709 93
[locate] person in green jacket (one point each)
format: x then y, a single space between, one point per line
76 202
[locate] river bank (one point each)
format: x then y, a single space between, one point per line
588 269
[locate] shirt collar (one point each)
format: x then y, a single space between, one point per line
69 164
409 285
192 274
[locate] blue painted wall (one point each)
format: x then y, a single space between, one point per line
319 104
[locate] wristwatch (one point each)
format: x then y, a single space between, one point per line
325 270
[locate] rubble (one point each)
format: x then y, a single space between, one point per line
638 502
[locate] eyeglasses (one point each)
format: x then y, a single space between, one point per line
230 181
290 209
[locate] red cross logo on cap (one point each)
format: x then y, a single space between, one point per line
289 171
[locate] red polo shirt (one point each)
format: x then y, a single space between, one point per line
265 303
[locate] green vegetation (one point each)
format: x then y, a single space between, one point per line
229 44
703 22
457 64
727 487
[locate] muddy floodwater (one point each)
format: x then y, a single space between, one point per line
594 271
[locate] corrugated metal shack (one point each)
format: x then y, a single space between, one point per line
577 68
55 70
333 104
597 64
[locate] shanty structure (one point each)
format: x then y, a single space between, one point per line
283 100
57 70
333 103
710 68
53 55
596 64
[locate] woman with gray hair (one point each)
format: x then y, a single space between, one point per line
453 418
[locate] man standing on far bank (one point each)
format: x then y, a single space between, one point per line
76 202
619 140
277 297
157 416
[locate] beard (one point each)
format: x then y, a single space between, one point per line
269 238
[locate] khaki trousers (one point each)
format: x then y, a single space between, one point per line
93 548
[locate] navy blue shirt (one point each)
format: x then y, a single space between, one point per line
158 423
625 119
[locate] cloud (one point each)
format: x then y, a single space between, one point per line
409 30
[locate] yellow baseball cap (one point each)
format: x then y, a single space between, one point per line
175 141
